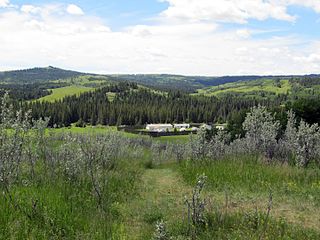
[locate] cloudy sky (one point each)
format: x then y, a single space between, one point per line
191 37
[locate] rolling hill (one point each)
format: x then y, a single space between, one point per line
198 85
248 87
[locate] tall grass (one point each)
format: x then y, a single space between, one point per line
249 173
52 207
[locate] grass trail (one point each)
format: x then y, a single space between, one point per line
162 195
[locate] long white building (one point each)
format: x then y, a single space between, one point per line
159 127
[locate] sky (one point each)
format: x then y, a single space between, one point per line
189 37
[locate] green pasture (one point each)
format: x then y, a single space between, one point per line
248 87
60 93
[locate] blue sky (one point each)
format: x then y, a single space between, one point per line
221 37
117 13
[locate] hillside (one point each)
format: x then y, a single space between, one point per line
293 88
159 81
247 88
36 75
54 83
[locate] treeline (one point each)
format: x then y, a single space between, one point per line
25 92
36 75
138 106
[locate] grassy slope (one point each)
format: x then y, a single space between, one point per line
248 182
163 190
60 93
68 211
247 87
160 197
160 193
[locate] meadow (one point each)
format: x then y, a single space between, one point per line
247 87
60 93
100 129
98 183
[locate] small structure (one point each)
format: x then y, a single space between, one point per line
182 129
181 126
221 127
206 127
159 127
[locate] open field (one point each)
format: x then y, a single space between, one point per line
84 80
109 185
60 93
108 129
248 87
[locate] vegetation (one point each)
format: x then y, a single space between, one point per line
138 106
247 88
83 179
36 75
70 185
60 93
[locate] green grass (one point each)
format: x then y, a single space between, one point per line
84 80
250 175
105 129
94 130
138 193
60 93
248 181
175 139
163 190
247 87
62 210
111 96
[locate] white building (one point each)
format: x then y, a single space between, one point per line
206 127
159 127
221 127
180 126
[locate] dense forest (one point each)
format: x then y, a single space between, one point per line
36 75
140 99
137 106
164 82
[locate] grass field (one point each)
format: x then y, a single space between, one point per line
236 193
106 129
60 93
111 96
248 87
84 80
59 201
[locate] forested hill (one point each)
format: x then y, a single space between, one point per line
35 75
178 82
164 82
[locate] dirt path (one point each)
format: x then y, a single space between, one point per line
162 196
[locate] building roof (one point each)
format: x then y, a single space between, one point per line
159 125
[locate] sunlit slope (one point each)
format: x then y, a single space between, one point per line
60 93
248 87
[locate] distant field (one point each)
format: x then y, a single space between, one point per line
265 85
106 129
111 96
84 80
60 93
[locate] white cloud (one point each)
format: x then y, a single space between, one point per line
30 9
74 10
314 4
48 35
244 33
239 11
4 3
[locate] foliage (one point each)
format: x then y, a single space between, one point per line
261 131
196 208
